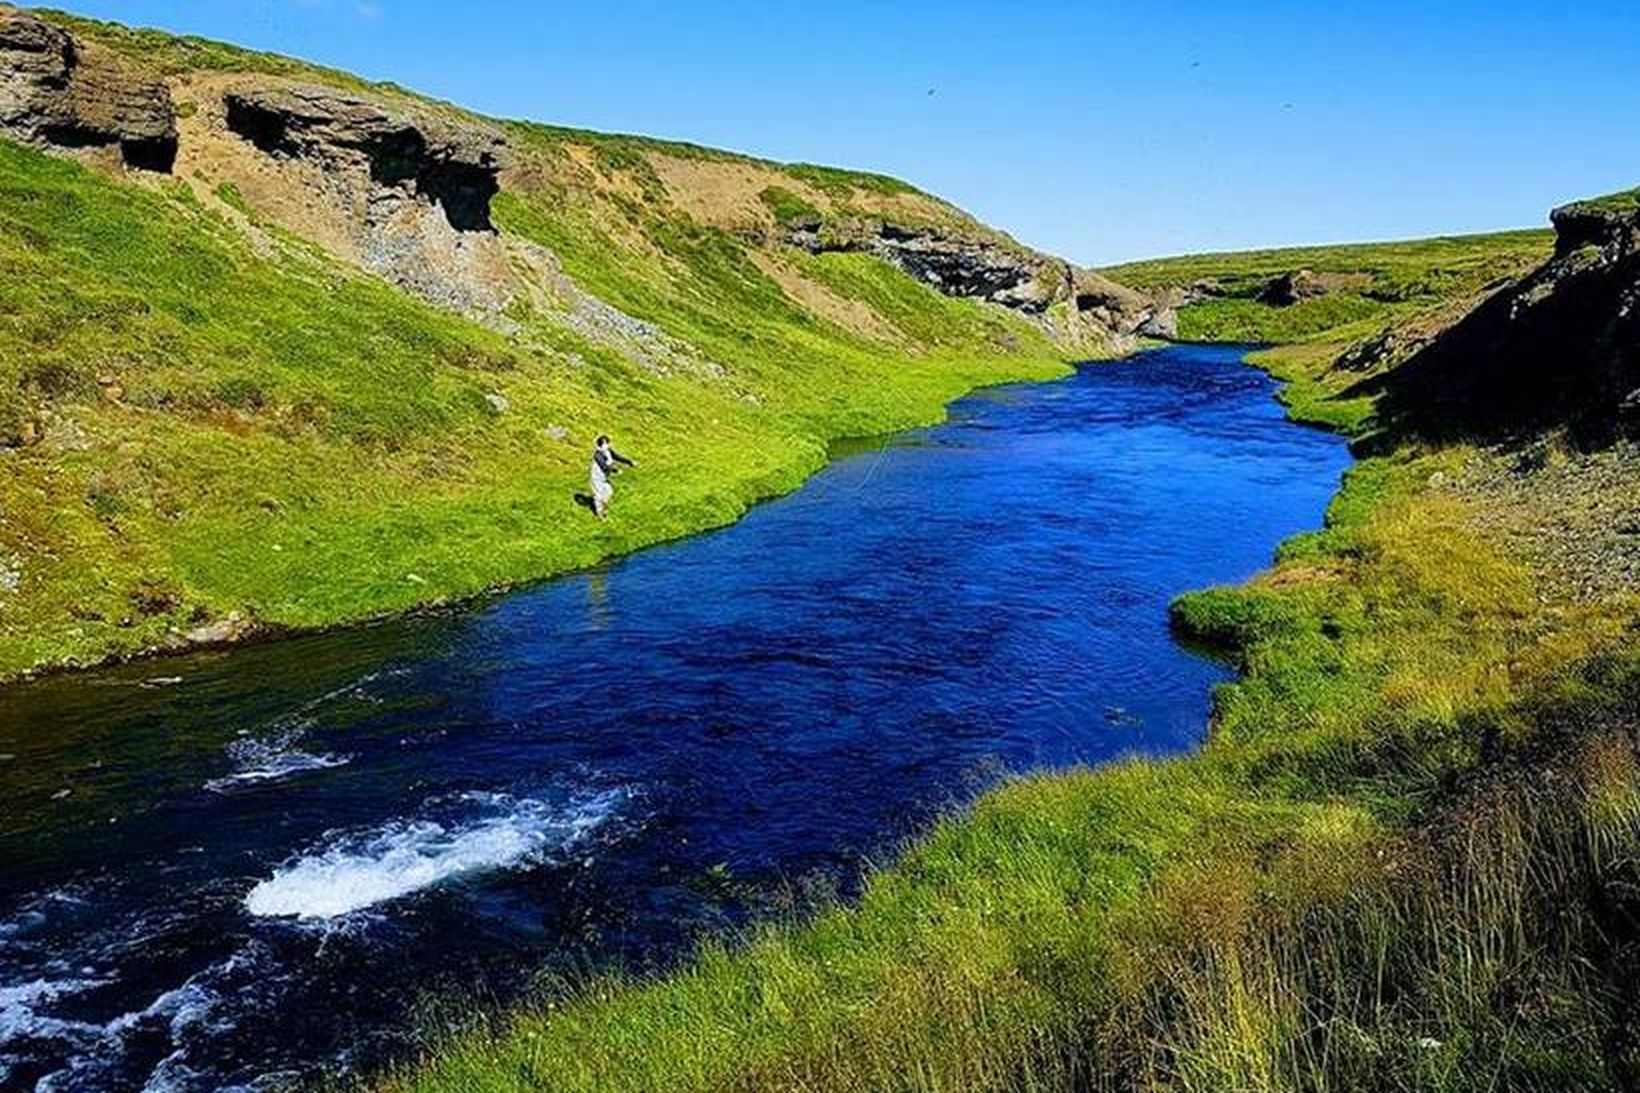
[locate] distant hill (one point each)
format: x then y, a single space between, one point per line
1339 292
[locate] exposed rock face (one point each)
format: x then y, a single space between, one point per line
970 268
57 93
1561 345
415 190
979 268
1610 224
1115 307
454 166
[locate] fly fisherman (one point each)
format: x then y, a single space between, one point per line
604 467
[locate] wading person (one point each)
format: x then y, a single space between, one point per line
604 467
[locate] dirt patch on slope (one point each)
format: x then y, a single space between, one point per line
286 192
725 194
854 316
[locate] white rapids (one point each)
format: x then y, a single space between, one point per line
350 872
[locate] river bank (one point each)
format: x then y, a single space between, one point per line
655 508
1423 782
379 455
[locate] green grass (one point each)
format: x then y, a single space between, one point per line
1314 393
787 207
1623 203
172 54
275 435
842 183
1386 282
229 195
1399 270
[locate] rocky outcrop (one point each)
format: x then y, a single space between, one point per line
1608 224
414 190
1291 288
456 167
1115 307
1561 346
976 269
58 93
996 271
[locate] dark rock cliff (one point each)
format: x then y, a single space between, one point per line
1559 347
58 93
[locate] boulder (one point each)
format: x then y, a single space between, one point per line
1291 288
56 92
1162 323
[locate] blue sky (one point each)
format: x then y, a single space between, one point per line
1101 131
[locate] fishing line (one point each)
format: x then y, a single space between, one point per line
872 470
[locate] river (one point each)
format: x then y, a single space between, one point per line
231 869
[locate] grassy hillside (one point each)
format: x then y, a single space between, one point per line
210 418
1379 297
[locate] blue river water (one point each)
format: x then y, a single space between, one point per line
232 869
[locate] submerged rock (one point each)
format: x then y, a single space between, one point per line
59 93
232 628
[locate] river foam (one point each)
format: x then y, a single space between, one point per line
351 872
271 759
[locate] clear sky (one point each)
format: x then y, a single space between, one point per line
1101 130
